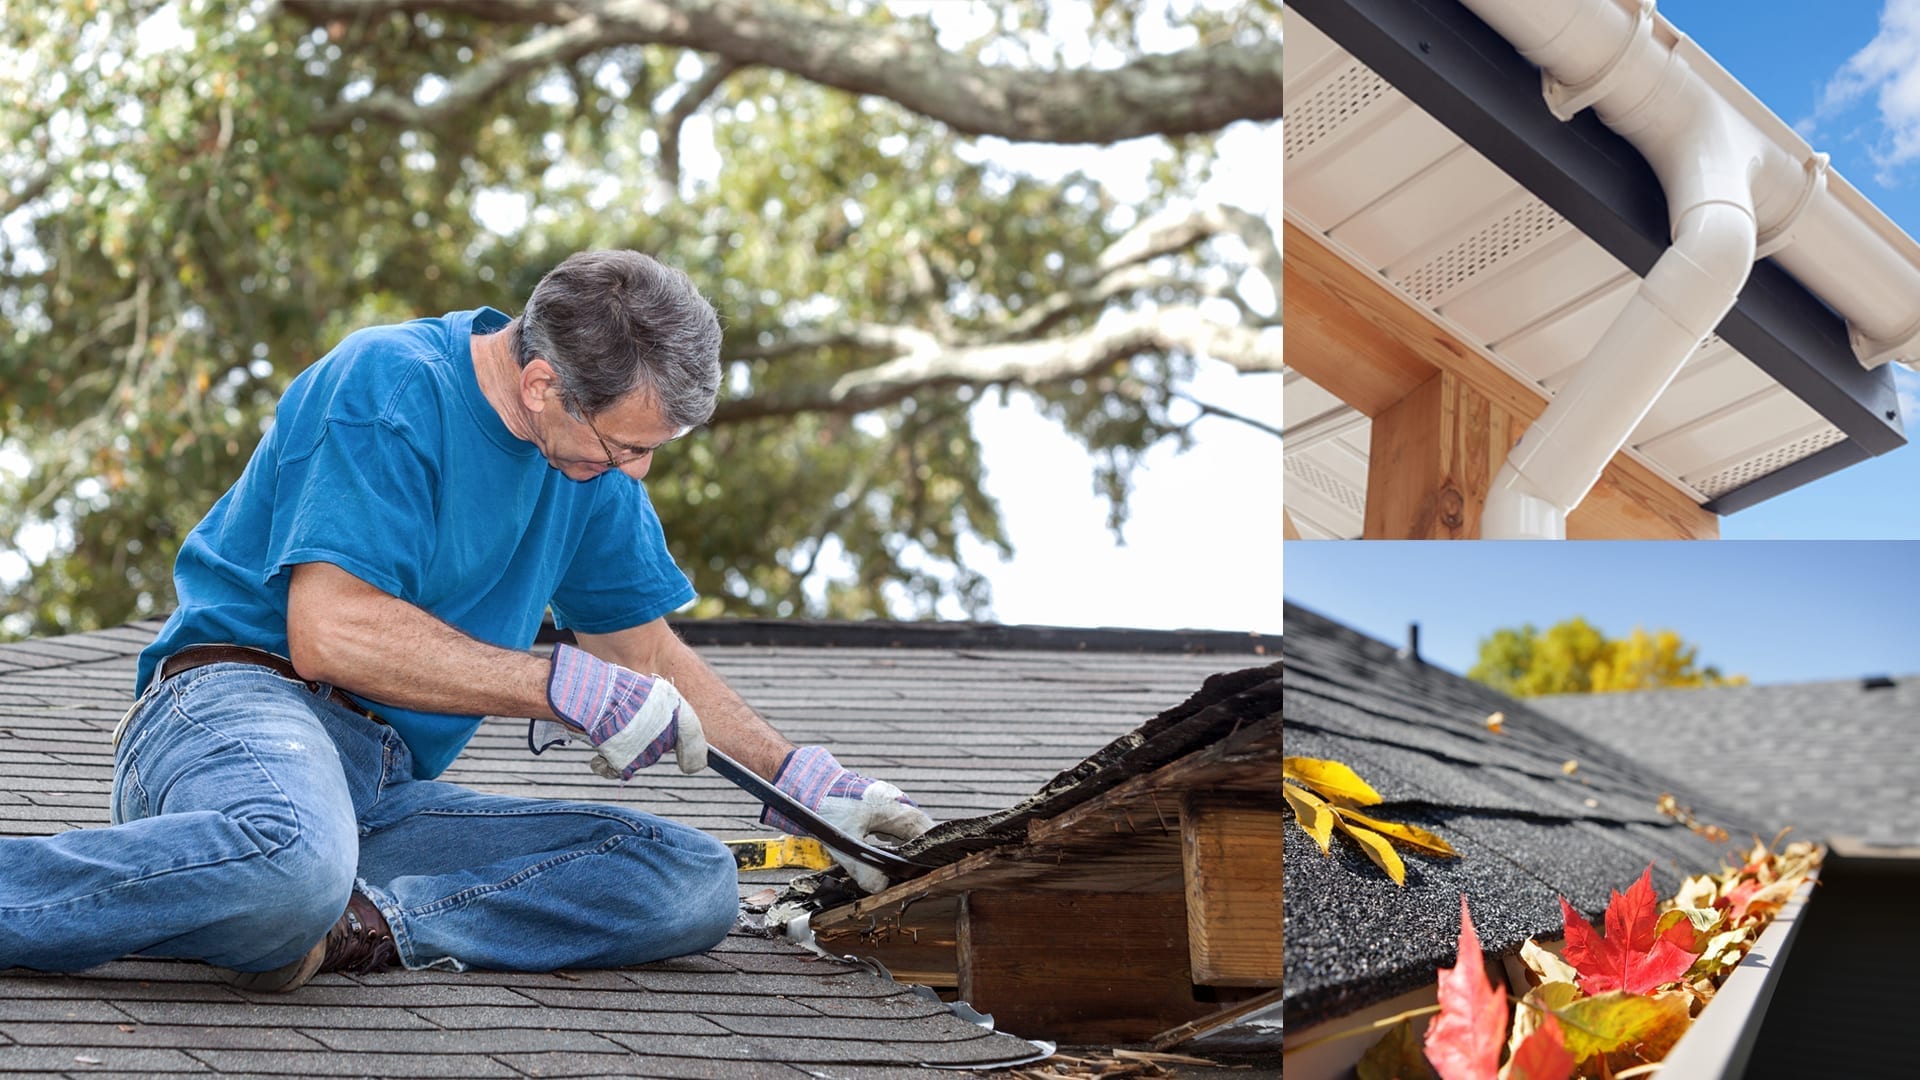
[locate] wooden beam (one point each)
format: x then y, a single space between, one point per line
1433 457
1342 337
1231 856
1351 334
1631 501
1288 531
1078 967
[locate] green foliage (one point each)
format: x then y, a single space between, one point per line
1574 657
187 229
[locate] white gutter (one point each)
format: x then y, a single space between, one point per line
1721 1039
1740 184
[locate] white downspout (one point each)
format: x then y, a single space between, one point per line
1707 156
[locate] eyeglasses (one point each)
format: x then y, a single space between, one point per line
626 455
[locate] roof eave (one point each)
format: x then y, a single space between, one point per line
1451 64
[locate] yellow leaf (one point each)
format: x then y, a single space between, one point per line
1550 996
1312 814
1410 834
1497 723
1703 920
1697 892
1603 1024
1726 949
1379 851
1544 963
1330 778
1397 1056
1569 767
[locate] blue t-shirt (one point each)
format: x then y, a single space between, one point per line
386 460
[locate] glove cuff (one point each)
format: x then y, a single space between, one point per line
578 686
806 774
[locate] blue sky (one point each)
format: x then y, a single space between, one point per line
1848 75
1784 611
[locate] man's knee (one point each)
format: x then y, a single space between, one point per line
697 895
713 895
304 878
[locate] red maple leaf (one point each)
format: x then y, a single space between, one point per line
1465 1040
1543 1055
1628 958
1738 901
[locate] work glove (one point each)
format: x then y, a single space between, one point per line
856 805
631 719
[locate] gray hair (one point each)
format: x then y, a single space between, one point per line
612 322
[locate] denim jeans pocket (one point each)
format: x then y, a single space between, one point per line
130 801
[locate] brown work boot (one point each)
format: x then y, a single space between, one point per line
358 943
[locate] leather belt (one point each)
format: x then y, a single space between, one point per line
194 656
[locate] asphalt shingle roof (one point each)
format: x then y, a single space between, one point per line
1828 758
1527 832
965 729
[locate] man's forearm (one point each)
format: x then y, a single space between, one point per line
728 721
346 632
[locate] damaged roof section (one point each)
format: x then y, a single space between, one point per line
1134 897
1831 759
967 724
1536 811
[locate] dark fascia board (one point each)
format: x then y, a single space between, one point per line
880 634
1448 62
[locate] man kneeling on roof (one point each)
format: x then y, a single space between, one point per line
351 608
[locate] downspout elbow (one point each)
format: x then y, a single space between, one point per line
1686 294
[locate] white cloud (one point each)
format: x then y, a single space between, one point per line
1888 70
1906 383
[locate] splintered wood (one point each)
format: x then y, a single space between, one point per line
1117 1064
1150 905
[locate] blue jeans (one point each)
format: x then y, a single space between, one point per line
246 806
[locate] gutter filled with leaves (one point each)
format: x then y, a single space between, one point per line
1613 1003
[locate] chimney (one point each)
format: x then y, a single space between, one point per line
1411 650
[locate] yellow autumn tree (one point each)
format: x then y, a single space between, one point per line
1575 657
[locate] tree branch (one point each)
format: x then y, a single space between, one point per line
35 186
691 98
1030 363
864 335
561 45
1120 268
1195 90
1228 414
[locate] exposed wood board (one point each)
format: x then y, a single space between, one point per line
1433 459
918 945
1230 852
1126 837
1077 967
